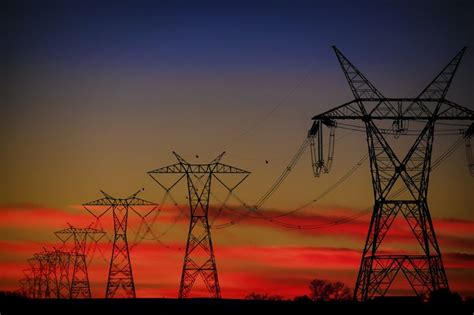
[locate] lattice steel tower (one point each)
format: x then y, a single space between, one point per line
424 272
120 280
46 277
80 287
199 257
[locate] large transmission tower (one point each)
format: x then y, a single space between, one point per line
120 281
199 257
80 287
424 272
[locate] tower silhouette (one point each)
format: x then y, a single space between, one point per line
425 272
80 287
47 275
199 259
33 275
45 281
62 264
120 280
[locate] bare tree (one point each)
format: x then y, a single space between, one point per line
323 290
340 291
318 290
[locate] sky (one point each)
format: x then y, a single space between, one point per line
95 94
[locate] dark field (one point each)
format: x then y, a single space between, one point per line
14 305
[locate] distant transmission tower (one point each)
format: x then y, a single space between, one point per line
425 273
62 261
26 285
120 280
33 274
45 275
80 287
199 257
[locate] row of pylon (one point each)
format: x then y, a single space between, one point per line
47 275
424 272
62 273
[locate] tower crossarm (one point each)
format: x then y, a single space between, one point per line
179 168
224 168
429 109
89 231
112 203
120 202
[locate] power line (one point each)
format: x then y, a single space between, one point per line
268 114
342 220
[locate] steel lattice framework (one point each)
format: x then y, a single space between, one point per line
120 281
47 275
199 242
47 280
63 263
80 287
425 272
32 278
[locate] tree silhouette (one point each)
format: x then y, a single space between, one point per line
323 290
263 297
444 297
340 291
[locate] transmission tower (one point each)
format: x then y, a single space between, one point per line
26 286
120 280
39 267
80 287
199 257
62 262
424 272
47 275
33 273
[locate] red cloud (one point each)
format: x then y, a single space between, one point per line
243 268
27 216
292 257
451 232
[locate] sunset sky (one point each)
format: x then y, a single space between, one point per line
94 95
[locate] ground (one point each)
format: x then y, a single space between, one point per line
15 305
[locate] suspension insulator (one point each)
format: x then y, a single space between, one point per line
319 163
